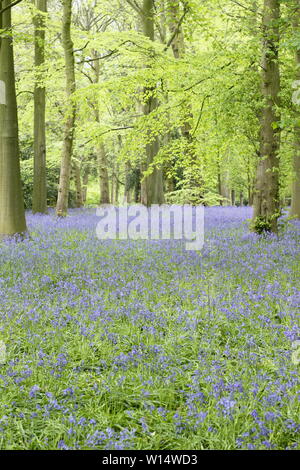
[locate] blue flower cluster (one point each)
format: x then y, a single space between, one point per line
144 345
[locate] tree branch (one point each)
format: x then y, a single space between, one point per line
206 78
246 8
25 91
114 129
86 61
200 114
109 54
10 6
82 48
87 76
116 176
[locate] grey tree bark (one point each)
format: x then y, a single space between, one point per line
266 194
103 175
65 171
295 204
12 213
78 186
39 197
152 191
101 152
85 181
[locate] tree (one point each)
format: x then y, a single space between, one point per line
295 205
78 185
182 89
39 198
101 152
152 185
266 195
12 213
65 173
89 21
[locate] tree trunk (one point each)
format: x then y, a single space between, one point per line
85 181
152 191
117 184
241 199
101 153
266 194
117 175
112 185
64 181
219 180
127 187
224 186
39 197
295 204
103 175
12 214
233 197
77 180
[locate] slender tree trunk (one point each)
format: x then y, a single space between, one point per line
241 199
223 185
85 181
112 185
127 198
295 205
220 188
115 184
266 194
219 180
152 191
39 197
117 188
117 192
77 180
233 197
64 181
101 153
12 214
112 189
103 175
250 196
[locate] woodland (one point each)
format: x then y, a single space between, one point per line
140 344
152 102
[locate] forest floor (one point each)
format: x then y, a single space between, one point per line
143 345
